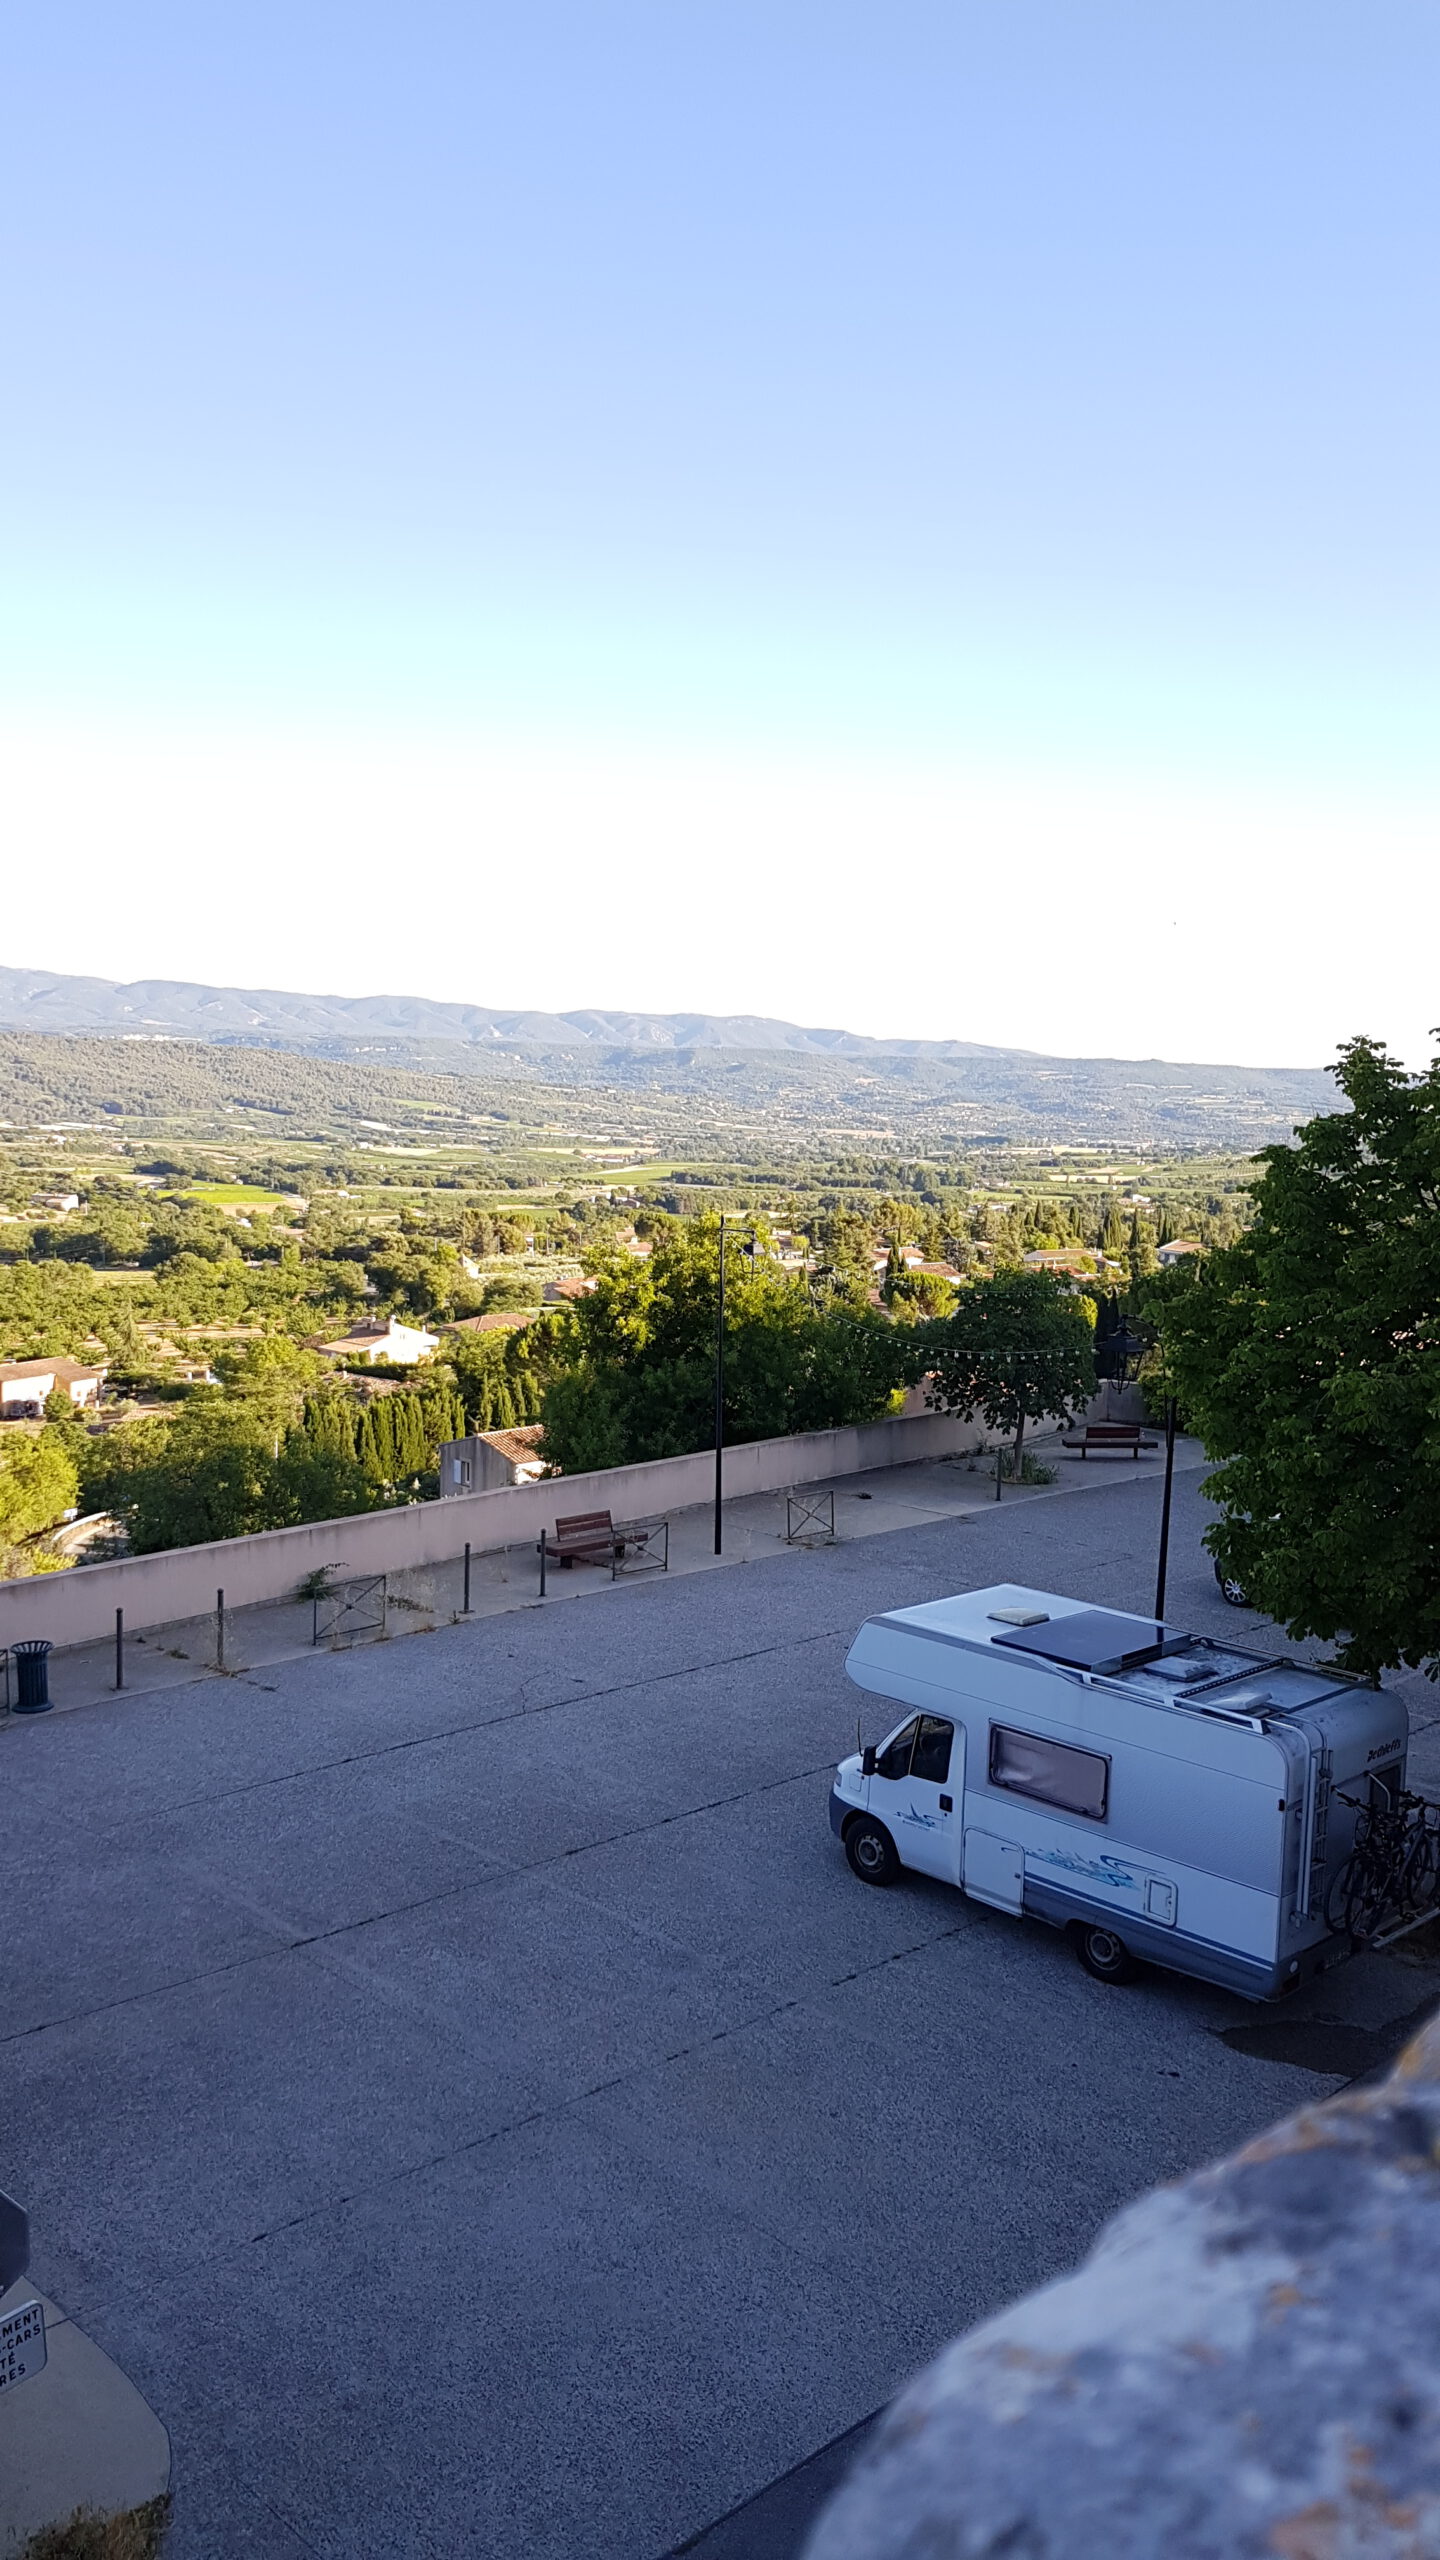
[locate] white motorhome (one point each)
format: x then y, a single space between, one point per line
1155 1794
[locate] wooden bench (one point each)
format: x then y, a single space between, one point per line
1125 1437
586 1537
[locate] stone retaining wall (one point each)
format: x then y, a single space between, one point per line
79 1607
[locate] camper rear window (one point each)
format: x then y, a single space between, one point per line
1051 1772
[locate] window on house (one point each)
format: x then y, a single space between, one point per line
1051 1772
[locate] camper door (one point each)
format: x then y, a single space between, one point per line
918 1783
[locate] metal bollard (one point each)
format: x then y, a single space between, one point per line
219 1630
465 1603
119 1648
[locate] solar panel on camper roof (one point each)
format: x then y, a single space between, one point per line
1094 1640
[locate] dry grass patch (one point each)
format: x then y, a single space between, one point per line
136 2535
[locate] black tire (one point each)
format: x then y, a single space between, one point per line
871 1852
1355 1897
1232 1589
1104 1954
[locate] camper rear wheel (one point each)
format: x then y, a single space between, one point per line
1104 1954
871 1852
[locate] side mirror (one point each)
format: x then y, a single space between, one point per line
867 1761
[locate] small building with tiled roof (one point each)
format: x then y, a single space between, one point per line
390 1340
489 1459
25 1384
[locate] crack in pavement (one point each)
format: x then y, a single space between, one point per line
373 1919
476 1724
554 2112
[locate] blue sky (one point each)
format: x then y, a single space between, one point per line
816 451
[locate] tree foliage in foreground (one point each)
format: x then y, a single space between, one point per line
228 1465
640 1379
1307 1356
37 1488
1018 1345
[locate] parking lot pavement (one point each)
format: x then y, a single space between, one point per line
464 2087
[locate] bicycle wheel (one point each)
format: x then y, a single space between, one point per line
1419 1876
1361 1895
1343 1887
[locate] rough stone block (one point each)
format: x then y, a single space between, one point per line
1247 2367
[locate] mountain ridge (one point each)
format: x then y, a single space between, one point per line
57 1002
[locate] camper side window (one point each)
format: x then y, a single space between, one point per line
1051 1772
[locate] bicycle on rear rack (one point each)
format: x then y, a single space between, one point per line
1392 1875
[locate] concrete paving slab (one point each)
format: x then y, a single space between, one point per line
1033 2105
758 1886
316 1852
522 1961
519 2310
229 2105
139 1922
219 2513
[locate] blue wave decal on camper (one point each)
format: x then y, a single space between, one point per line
1100 1870
924 1821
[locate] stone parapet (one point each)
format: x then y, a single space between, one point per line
1246 2367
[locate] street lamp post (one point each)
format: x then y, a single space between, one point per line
1164 1558
752 1249
720 1388
1125 1346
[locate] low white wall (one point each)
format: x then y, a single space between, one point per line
79 1607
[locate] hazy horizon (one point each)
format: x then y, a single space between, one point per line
379 996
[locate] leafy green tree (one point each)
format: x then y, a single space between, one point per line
38 1484
921 1294
218 1470
583 1423
512 1289
895 1273
1140 1249
1017 1346
419 1278
480 1365
177 1483
309 1483
1307 1356
645 1341
273 1376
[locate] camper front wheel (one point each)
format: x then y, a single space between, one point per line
1104 1955
871 1852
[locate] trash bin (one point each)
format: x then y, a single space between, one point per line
32 1676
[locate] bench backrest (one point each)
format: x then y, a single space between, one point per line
582 1525
1113 1430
